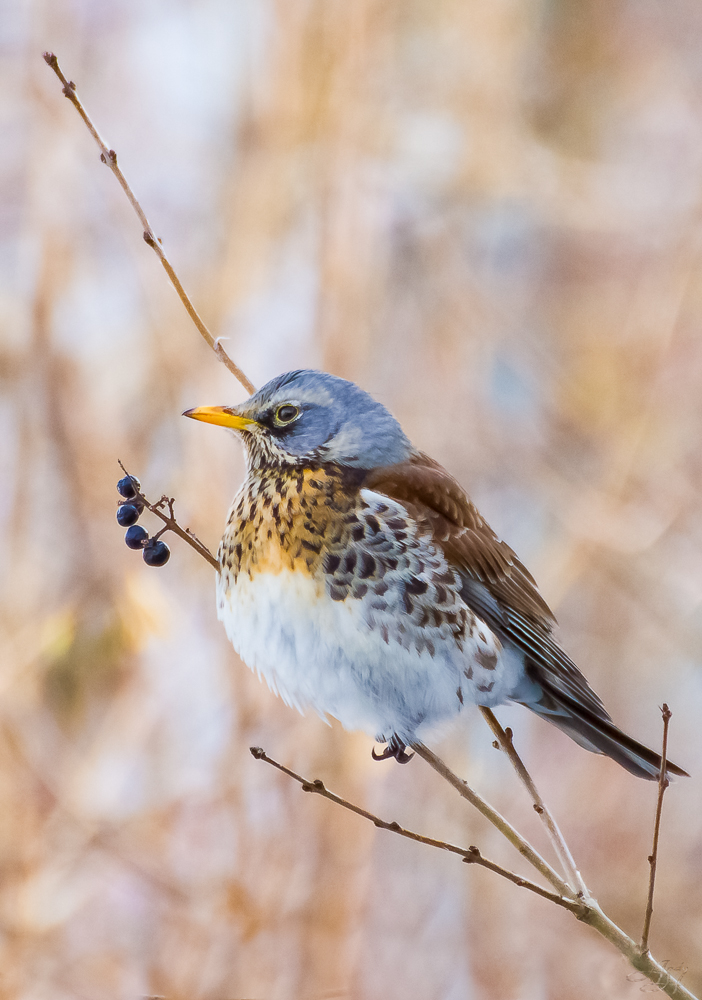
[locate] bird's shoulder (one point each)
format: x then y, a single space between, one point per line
496 584
440 505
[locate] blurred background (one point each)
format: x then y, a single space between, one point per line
489 215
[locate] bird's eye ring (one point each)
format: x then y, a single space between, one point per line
286 414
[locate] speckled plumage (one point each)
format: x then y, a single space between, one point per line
331 593
360 581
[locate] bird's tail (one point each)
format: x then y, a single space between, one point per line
599 734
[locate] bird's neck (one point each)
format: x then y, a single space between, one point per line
284 517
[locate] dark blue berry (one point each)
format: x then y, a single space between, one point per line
136 536
127 514
156 553
128 487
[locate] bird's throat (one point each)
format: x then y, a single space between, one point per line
285 519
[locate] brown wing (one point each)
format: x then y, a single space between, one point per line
497 586
434 498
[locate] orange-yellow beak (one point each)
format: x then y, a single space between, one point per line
221 415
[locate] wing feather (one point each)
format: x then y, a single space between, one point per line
497 586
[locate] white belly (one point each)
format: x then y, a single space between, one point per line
324 654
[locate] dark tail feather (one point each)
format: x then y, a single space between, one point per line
600 735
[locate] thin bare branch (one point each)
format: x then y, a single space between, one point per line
587 911
663 783
505 828
471 856
109 157
642 961
171 524
504 738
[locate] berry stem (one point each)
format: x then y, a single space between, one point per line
171 524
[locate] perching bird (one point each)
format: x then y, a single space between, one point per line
359 580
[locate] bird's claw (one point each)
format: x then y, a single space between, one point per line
395 748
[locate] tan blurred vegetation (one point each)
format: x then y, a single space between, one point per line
488 214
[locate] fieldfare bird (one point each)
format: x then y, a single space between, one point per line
358 578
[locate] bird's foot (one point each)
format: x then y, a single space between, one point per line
395 748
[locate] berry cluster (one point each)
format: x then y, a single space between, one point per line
155 552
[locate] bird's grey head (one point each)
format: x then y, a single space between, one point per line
309 416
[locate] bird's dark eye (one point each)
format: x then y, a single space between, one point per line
286 414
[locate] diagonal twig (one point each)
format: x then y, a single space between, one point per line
109 157
504 738
590 912
585 910
470 855
505 828
663 783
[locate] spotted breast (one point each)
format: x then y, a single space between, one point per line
334 594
